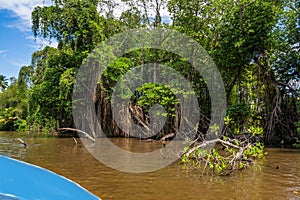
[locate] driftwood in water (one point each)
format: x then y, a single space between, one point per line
75 140
151 140
79 131
168 136
223 155
22 142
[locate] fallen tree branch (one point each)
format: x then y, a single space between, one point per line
22 142
209 142
232 155
79 131
168 136
239 154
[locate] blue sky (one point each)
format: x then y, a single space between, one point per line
16 38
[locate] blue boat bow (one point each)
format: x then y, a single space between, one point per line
24 181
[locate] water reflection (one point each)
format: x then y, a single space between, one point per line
276 177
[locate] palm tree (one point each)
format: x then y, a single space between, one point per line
3 82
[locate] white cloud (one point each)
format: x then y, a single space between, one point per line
122 6
22 10
40 43
3 51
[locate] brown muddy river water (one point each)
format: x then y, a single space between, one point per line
275 177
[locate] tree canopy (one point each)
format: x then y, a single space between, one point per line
254 43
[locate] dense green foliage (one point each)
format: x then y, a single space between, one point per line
14 102
3 82
254 43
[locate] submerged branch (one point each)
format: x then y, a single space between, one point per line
226 156
22 142
209 142
79 131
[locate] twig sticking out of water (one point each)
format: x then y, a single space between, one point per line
22 142
75 141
